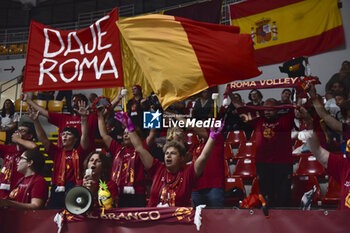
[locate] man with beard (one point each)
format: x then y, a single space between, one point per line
274 161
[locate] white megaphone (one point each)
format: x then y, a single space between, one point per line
78 200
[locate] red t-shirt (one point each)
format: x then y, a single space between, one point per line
55 153
9 176
30 187
127 153
339 168
183 180
346 138
214 172
62 120
273 139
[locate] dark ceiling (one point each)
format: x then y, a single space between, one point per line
15 14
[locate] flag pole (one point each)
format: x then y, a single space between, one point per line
215 96
124 93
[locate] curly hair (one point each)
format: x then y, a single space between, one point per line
177 145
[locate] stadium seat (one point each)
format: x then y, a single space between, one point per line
332 196
245 168
2 137
253 136
301 185
235 138
3 50
55 105
308 165
255 187
297 156
25 106
297 143
232 198
227 169
228 155
15 48
41 103
246 150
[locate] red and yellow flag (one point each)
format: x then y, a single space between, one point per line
181 57
281 30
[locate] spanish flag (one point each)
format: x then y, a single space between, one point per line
180 57
285 29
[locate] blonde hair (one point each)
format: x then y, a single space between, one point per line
171 133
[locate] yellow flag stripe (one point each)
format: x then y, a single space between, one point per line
169 48
293 22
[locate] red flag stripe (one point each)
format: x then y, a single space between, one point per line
311 46
253 7
223 45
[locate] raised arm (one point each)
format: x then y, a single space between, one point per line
322 112
34 115
321 154
145 156
199 164
117 99
83 111
16 138
103 129
151 137
41 110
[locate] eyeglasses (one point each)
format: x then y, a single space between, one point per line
22 131
23 158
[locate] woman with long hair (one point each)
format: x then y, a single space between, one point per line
97 168
9 119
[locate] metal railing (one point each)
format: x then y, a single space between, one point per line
11 84
15 36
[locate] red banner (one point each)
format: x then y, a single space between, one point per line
136 215
264 84
213 220
66 60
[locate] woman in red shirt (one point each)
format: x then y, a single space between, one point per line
173 180
31 191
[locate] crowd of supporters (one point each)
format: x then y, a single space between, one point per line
165 167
